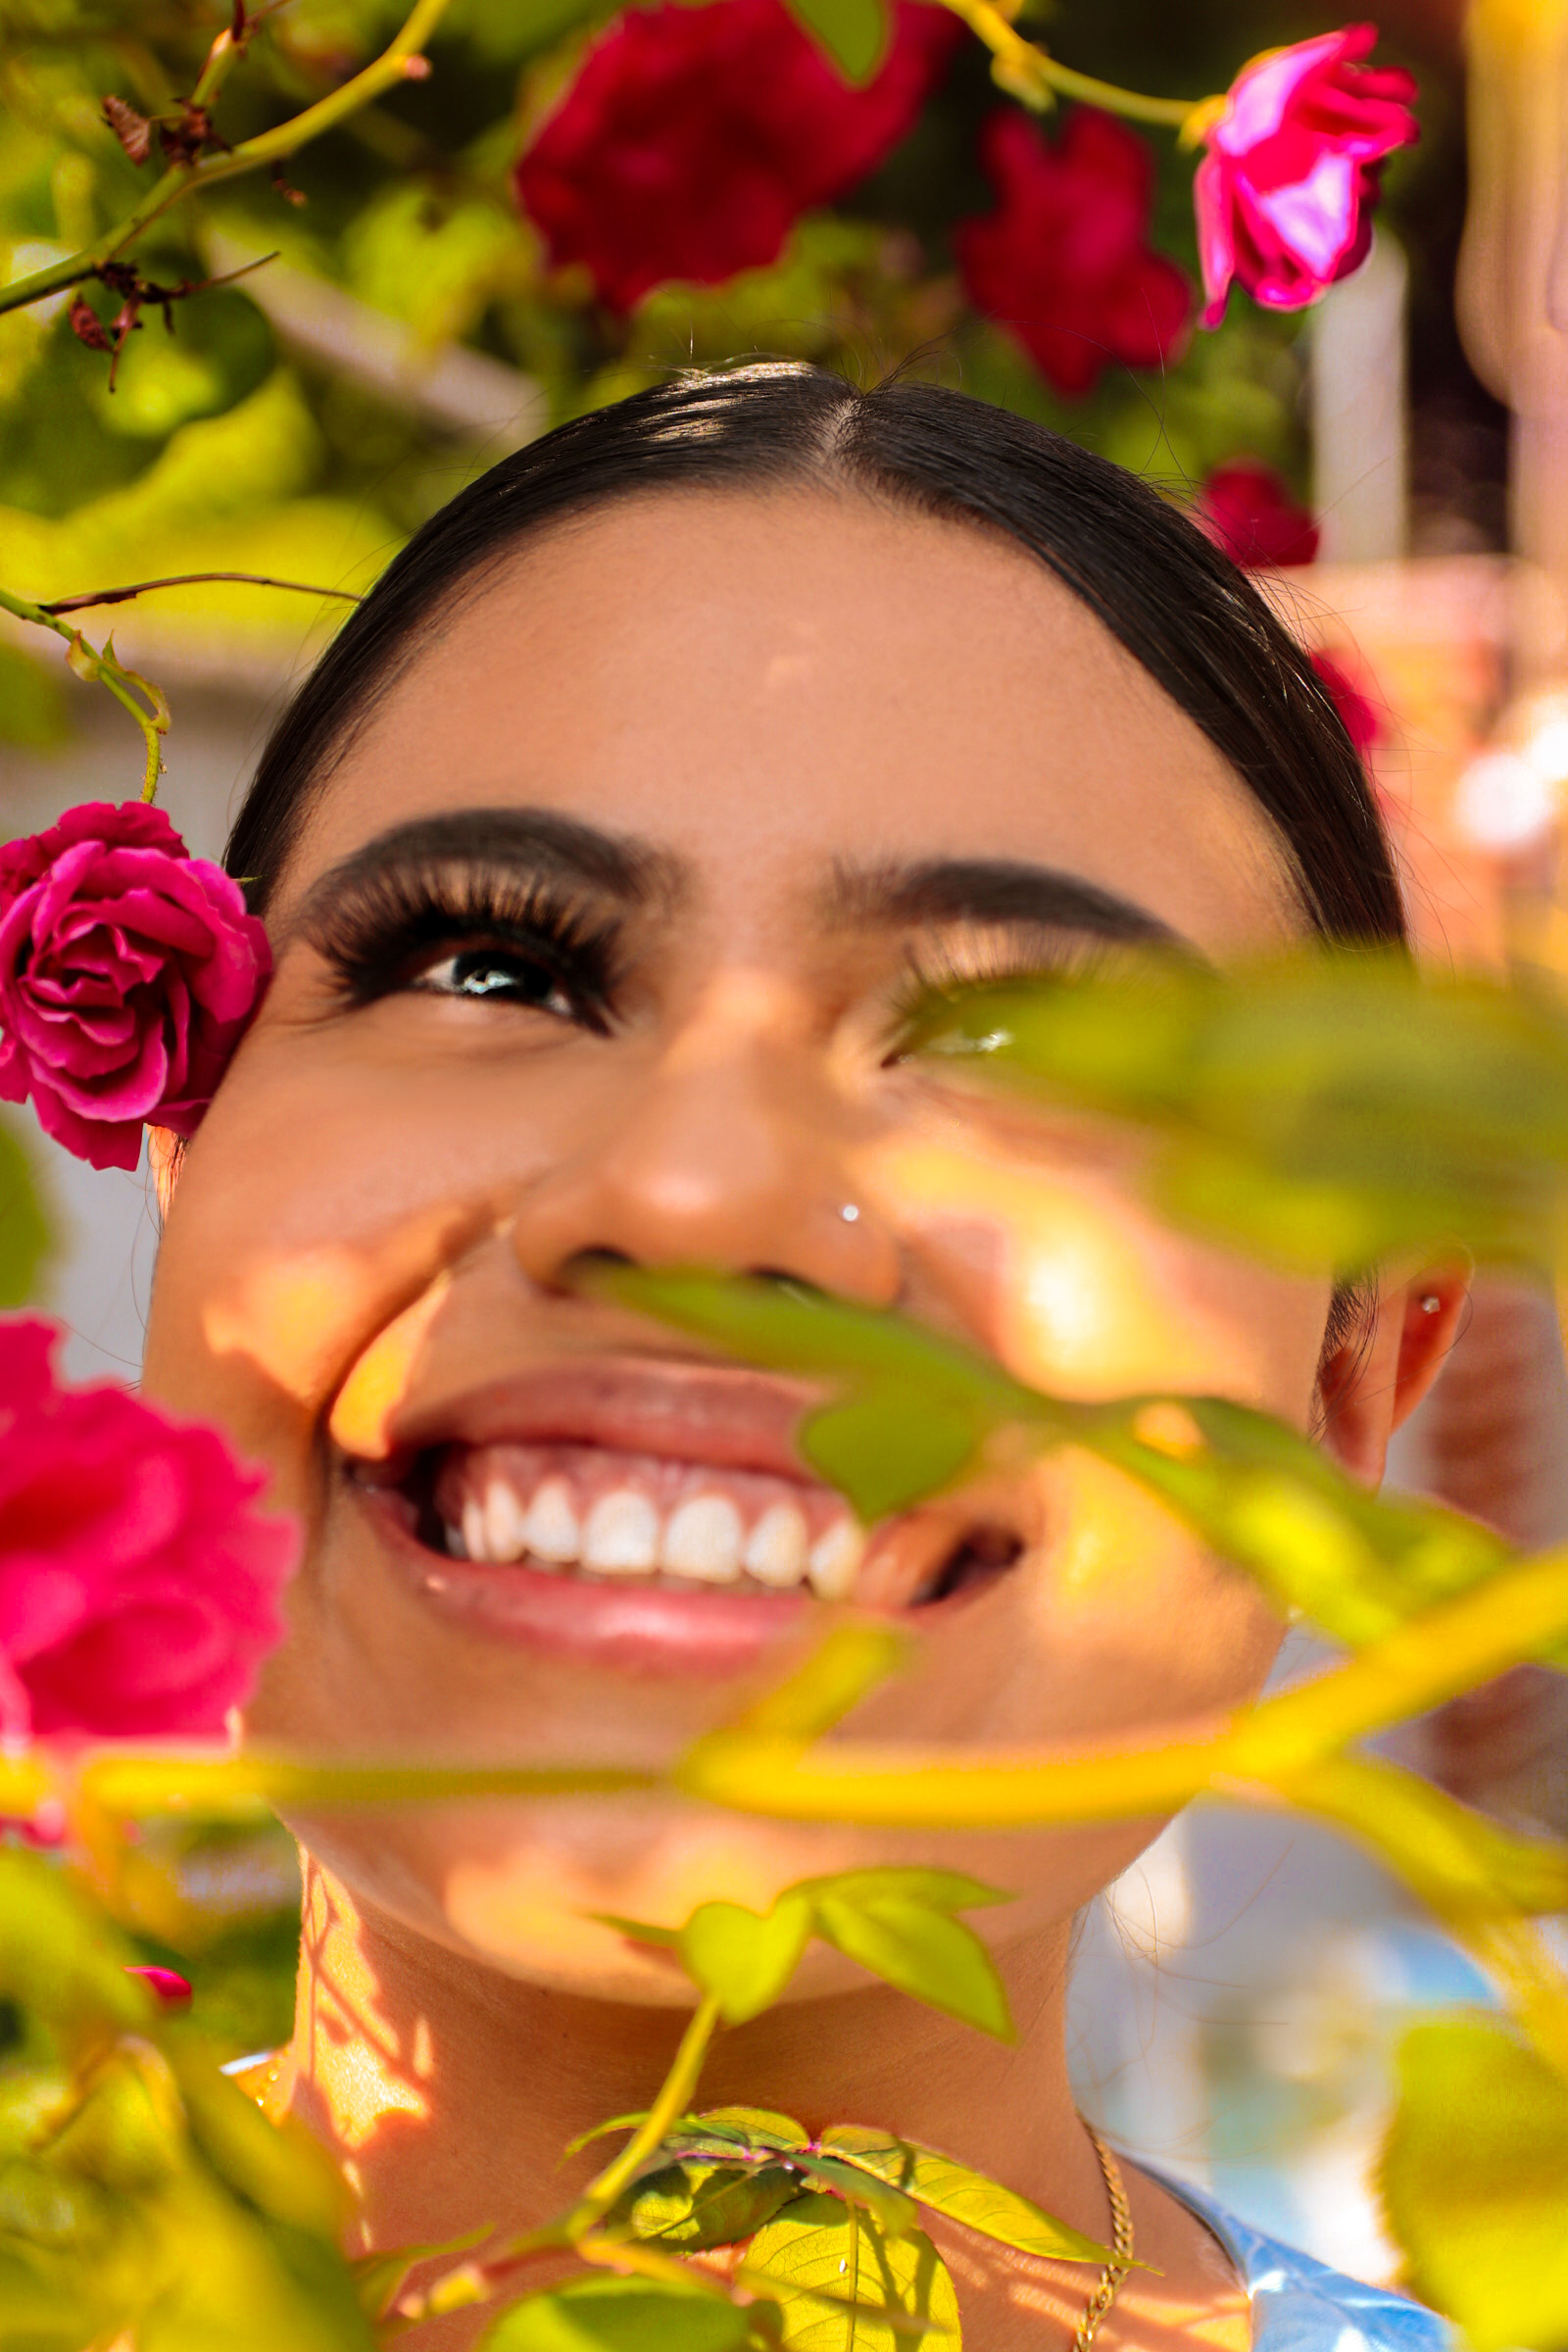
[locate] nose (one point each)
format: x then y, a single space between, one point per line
730 1145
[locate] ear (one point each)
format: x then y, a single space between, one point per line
165 1154
1375 1380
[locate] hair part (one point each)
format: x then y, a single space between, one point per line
1179 606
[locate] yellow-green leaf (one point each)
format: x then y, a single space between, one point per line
742 1958
1475 2182
961 2194
699 2202
817 2255
619 2315
921 1952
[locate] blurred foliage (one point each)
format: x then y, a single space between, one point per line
25 1233
295 455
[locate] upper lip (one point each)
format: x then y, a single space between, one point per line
729 1416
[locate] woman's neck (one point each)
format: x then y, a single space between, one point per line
447 2091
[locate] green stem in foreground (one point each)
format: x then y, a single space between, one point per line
673 2101
1029 72
479 2281
401 61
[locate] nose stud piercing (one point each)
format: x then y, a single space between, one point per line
1431 1303
850 1213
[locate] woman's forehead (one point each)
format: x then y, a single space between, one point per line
764 686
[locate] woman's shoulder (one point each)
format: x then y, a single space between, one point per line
1300 2305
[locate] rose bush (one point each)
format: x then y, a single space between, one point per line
128 970
138 1584
693 138
1294 152
1065 262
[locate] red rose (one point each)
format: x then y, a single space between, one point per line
1285 189
1065 262
694 137
1249 510
139 1585
1359 715
128 970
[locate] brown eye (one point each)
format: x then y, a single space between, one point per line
501 975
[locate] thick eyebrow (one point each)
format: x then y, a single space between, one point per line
988 890
532 840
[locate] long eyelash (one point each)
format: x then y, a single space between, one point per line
942 964
375 934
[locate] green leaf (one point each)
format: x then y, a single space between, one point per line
917 1408
61 1958
921 1952
894 2214
744 1960
753 2127
852 32
24 1235
1475 2182
278 2167
892 1445
604 2314
698 2202
1323 1111
816 2255
961 2194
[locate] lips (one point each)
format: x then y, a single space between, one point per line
646 1514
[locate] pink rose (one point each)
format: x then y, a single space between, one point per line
1285 189
693 138
138 1584
128 972
1248 509
1065 262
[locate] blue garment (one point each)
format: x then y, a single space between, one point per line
1299 2305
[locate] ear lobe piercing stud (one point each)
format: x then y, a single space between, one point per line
850 1213
1431 1303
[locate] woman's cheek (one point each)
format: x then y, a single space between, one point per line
1069 1280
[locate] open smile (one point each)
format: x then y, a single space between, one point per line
653 1515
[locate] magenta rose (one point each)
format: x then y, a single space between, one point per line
1248 509
128 970
1359 714
139 1583
1065 262
1294 153
693 138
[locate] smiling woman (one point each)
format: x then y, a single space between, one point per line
605 857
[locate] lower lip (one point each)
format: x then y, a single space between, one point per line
637 1628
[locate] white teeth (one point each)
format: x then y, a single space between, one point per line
775 1548
505 1526
550 1529
703 1540
834 1561
620 1535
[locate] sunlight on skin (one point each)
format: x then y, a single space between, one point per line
1095 1299
380 1377
349 2055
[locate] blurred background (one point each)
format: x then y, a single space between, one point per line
516 238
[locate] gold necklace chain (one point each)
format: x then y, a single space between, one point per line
1122 2260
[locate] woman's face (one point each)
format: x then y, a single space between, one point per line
598 940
